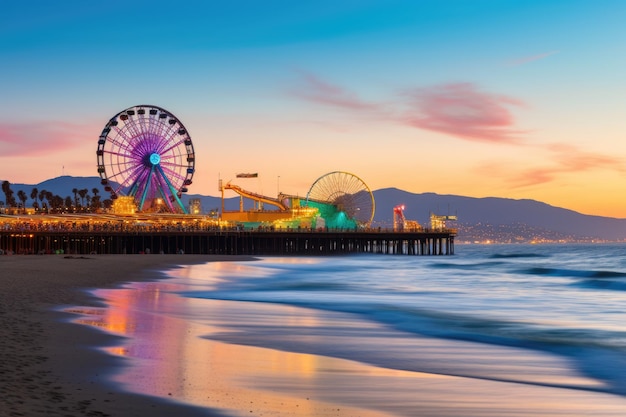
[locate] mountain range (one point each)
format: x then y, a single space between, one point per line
479 219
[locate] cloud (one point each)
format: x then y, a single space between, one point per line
463 111
41 138
574 159
459 109
534 176
318 91
567 159
532 58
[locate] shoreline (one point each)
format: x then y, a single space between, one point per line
52 366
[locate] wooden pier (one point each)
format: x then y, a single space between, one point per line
230 242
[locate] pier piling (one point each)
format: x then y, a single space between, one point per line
231 242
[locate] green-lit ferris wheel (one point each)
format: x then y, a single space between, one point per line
343 200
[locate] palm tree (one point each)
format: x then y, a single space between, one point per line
82 193
42 196
6 187
96 204
68 203
57 203
75 191
23 197
8 193
49 197
33 195
95 201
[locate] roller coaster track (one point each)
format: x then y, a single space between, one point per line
256 197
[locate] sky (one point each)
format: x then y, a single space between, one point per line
520 99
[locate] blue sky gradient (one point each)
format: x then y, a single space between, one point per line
520 99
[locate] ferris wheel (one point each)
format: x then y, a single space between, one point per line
146 152
346 193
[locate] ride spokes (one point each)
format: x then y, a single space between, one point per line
343 200
146 152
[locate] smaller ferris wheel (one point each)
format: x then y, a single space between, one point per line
343 200
146 152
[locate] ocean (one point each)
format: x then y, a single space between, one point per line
495 330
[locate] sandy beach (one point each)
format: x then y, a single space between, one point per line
227 364
47 365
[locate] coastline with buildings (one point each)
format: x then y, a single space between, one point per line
483 221
312 209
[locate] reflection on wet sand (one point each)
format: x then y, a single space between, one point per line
173 351
170 357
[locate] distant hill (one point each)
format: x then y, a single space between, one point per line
535 216
479 218
62 185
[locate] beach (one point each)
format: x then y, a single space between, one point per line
209 335
49 366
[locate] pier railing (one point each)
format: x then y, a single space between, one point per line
84 239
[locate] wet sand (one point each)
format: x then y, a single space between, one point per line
53 366
48 367
260 359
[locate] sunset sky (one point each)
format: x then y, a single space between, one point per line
502 98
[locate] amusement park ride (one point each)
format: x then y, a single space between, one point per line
401 224
337 200
146 153
146 161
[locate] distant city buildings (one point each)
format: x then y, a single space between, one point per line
485 233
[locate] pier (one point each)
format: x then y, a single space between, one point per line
293 242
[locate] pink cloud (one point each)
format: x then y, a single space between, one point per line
316 90
462 110
527 59
515 178
568 159
459 110
573 159
41 138
534 176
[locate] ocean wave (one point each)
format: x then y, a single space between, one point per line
601 284
432 322
575 273
306 286
475 297
585 347
467 265
487 330
517 255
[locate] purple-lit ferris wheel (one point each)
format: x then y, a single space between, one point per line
146 152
